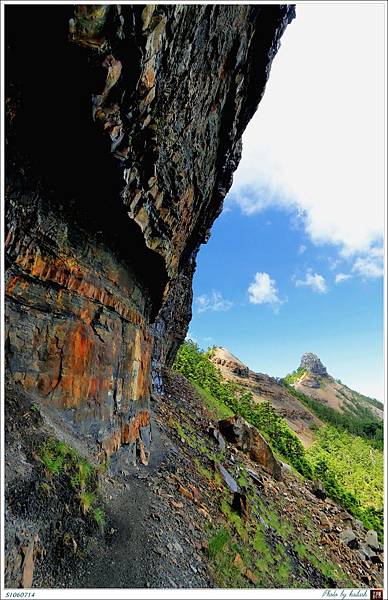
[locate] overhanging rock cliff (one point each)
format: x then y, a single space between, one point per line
124 128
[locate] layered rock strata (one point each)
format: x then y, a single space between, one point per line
124 127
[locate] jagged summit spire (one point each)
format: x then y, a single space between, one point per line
311 363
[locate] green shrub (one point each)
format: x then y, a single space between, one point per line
346 455
197 367
99 517
87 500
355 418
352 472
60 459
294 376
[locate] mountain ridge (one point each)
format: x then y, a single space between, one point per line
345 459
306 398
263 387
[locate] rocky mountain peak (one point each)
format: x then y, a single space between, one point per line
312 363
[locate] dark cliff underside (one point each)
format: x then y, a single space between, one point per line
123 129
123 132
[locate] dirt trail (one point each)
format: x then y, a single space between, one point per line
161 517
144 545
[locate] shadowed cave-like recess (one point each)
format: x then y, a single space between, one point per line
124 128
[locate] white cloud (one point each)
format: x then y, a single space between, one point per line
263 290
315 281
333 262
342 277
316 143
213 302
302 248
370 265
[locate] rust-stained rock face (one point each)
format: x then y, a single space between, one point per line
123 132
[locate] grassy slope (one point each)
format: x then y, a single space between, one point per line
285 538
339 458
271 546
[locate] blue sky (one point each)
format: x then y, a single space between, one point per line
343 325
295 261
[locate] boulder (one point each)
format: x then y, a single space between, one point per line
346 518
262 454
236 431
240 505
348 537
366 552
218 437
359 523
318 489
371 540
285 468
248 439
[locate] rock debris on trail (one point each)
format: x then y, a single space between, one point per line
162 519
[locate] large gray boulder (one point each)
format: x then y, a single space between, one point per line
366 552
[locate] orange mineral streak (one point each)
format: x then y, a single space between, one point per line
11 285
128 434
131 431
77 389
74 360
142 361
77 385
81 345
70 275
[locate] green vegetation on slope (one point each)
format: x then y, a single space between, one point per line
294 376
352 472
347 456
197 368
350 467
354 419
218 409
259 551
60 460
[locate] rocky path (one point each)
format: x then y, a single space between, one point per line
160 515
145 543
162 518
